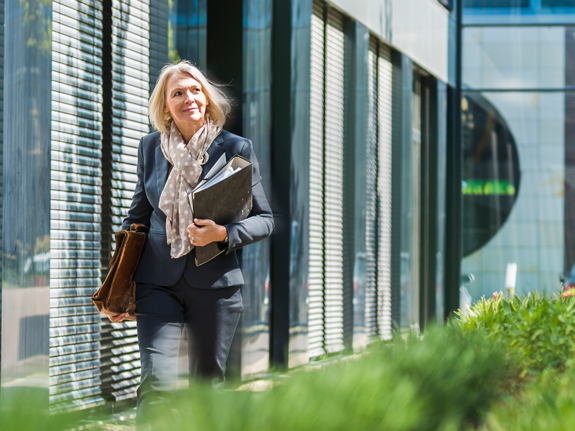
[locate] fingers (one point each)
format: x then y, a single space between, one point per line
203 222
119 317
202 232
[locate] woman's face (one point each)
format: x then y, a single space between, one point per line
185 101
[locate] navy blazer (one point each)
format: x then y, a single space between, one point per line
156 265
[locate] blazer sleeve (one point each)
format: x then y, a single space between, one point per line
140 209
260 223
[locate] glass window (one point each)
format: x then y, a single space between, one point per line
187 31
496 3
558 3
514 57
520 220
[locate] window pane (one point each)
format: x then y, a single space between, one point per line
558 3
497 3
514 57
522 220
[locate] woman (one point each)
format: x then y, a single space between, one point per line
188 113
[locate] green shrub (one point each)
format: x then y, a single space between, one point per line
439 383
539 330
21 409
546 403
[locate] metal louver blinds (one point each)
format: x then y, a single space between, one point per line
384 192
326 182
316 246
76 198
129 122
333 181
371 202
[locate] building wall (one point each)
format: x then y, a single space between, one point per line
331 159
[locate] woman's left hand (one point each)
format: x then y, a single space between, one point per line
203 232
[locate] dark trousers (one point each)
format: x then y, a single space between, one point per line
210 316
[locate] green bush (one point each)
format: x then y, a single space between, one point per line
546 403
441 382
26 409
539 330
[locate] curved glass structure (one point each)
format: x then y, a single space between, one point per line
491 172
518 65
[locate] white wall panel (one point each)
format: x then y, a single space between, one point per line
418 28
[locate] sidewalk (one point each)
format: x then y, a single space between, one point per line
126 421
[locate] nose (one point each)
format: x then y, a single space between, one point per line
190 97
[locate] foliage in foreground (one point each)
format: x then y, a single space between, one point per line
439 383
539 330
26 409
546 403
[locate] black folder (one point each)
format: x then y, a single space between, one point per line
224 201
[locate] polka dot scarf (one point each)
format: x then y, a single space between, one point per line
187 163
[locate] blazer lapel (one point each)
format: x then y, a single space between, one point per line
162 165
215 152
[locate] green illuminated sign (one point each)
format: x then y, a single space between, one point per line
487 188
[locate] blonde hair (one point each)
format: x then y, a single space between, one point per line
218 107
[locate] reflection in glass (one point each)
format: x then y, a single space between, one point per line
495 3
187 31
519 63
491 174
407 316
514 57
514 12
533 235
257 127
417 233
441 199
26 187
299 187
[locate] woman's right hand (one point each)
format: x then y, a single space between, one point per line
118 317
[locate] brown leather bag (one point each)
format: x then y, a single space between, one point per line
118 293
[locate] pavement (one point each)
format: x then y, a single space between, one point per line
126 420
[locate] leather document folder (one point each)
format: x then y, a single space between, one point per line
226 197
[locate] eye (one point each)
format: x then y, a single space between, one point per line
177 93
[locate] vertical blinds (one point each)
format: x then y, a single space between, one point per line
326 182
76 189
384 192
371 195
129 92
333 181
316 245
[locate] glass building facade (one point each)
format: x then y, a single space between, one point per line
350 122
517 76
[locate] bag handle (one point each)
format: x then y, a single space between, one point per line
136 227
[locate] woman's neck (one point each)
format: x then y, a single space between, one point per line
188 130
